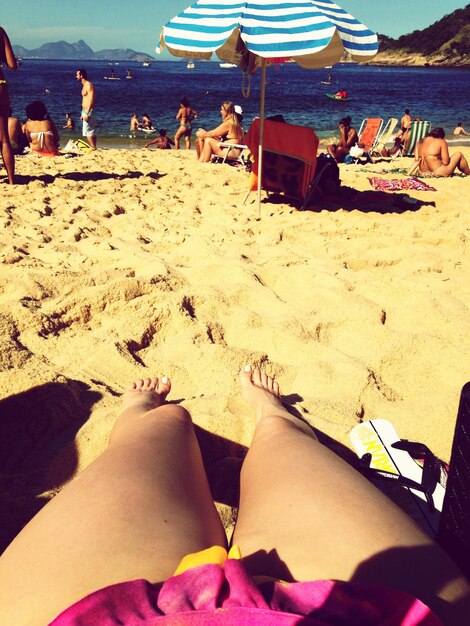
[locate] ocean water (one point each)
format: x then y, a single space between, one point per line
436 94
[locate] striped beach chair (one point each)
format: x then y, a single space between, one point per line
418 130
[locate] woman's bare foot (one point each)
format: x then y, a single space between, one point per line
263 395
145 395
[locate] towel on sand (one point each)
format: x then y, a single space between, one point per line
397 184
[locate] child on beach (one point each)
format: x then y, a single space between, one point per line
185 116
136 538
6 56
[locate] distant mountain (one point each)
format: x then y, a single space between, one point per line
446 42
79 51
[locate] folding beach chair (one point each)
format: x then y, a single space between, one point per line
289 158
418 130
226 146
369 131
454 527
384 137
437 497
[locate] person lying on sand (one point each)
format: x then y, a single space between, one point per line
432 156
136 538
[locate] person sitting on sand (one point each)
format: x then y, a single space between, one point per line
207 142
18 140
40 130
347 138
8 58
162 142
432 156
69 123
459 129
136 538
185 116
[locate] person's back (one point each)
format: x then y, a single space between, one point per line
432 156
42 136
460 130
405 121
41 131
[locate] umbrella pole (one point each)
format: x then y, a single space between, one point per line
261 132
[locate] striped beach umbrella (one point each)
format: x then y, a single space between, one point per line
314 33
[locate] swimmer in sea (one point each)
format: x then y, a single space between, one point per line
460 130
185 116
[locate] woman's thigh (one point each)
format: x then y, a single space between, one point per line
133 513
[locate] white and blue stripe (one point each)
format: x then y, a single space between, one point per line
269 29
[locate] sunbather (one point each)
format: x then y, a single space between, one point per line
40 130
432 156
207 141
347 138
105 543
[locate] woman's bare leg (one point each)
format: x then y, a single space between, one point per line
7 152
211 146
457 161
179 134
305 514
133 513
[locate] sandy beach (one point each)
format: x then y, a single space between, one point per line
122 264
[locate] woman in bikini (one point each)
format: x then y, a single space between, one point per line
185 116
347 138
229 130
6 56
432 156
41 131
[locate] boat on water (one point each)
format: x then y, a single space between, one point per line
334 96
146 63
190 65
226 66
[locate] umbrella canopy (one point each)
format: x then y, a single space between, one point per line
314 33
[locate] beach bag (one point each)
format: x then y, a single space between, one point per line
356 151
326 182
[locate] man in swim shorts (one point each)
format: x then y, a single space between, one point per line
88 103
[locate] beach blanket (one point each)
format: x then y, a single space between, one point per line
397 184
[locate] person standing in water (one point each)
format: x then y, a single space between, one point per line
185 116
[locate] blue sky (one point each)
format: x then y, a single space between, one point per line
137 24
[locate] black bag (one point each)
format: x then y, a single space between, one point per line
326 177
326 182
